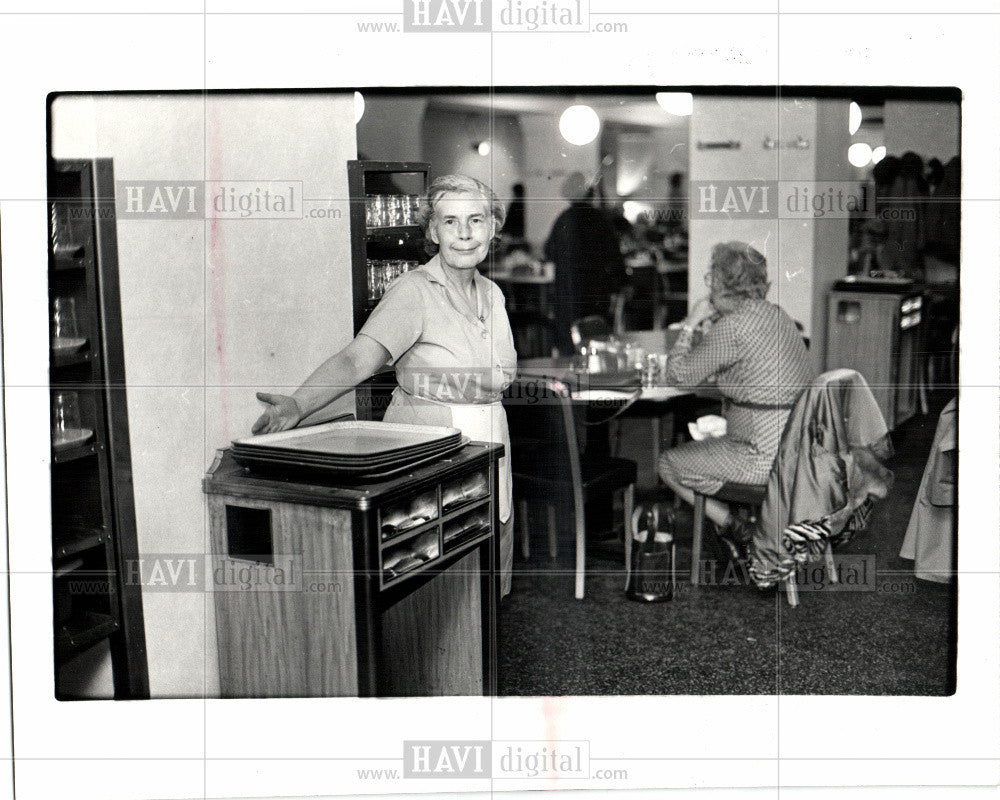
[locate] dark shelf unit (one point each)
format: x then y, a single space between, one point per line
366 178
73 542
93 507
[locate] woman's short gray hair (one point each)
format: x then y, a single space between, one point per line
457 184
740 269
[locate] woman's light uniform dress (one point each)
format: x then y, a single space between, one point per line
452 363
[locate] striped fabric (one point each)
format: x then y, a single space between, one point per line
858 521
802 542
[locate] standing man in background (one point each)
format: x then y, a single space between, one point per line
584 247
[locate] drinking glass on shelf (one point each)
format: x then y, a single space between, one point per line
378 211
63 325
65 418
372 277
414 202
385 276
394 210
382 272
62 234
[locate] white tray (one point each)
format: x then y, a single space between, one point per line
353 438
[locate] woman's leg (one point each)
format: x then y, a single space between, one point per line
716 511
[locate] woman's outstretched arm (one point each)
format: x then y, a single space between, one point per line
334 377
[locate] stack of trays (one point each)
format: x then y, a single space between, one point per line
354 449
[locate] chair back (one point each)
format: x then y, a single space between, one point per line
543 436
639 308
811 479
583 330
534 333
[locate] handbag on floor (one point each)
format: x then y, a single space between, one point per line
652 576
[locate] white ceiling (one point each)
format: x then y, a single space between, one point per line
631 110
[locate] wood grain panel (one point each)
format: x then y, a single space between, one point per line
287 629
432 641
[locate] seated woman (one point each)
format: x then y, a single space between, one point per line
760 363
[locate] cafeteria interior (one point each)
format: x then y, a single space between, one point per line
615 199
645 167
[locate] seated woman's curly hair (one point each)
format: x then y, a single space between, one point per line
741 271
457 184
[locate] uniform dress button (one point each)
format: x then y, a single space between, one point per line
486 335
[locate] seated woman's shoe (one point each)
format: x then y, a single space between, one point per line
736 538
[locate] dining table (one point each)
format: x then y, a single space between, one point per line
613 395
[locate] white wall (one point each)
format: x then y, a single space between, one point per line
213 311
390 129
549 158
797 250
831 235
448 135
662 152
929 129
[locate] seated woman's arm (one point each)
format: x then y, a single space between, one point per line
718 349
334 377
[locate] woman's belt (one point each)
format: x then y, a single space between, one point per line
760 406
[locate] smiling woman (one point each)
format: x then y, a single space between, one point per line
444 328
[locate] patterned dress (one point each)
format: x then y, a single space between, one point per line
761 365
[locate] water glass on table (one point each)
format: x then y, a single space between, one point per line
654 370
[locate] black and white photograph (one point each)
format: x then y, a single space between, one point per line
599 240
419 418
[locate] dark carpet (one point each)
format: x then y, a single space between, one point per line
895 637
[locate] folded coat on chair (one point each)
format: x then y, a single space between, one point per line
828 465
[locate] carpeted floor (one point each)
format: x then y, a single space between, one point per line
895 638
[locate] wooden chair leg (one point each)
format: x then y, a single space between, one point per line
699 524
922 385
791 590
831 567
552 531
581 552
629 504
522 510
656 432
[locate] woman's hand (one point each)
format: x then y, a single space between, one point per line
700 311
282 413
